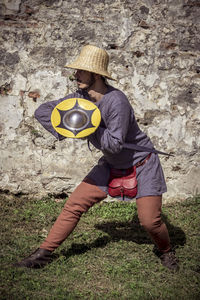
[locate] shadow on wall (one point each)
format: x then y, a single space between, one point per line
128 231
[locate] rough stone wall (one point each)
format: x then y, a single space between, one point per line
154 52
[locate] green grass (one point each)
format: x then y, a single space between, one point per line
108 256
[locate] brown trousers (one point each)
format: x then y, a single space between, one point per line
85 196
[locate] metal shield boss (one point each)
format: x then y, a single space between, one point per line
75 118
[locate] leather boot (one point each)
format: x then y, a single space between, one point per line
37 259
170 261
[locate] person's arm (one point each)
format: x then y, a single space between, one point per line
112 137
43 115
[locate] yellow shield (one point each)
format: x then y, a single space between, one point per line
75 118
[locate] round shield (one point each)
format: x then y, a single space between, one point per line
75 118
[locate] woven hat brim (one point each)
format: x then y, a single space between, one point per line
92 70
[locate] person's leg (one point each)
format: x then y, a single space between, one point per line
149 213
84 197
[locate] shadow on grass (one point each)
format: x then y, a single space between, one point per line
128 231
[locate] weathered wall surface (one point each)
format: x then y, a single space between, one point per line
154 50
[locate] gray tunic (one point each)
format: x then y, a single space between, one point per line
118 126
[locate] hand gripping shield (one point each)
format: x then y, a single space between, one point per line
75 118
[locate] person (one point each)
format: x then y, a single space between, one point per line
118 125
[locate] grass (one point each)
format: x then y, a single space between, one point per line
108 256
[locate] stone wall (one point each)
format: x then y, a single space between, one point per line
154 55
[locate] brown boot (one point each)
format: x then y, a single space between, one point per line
37 259
170 261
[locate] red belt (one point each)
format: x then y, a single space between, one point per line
126 172
141 163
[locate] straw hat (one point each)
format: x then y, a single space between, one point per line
92 59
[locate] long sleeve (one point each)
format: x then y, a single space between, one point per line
44 111
111 137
